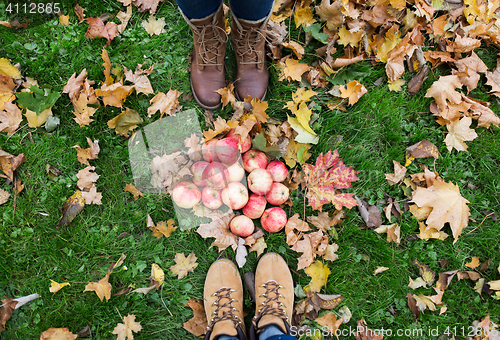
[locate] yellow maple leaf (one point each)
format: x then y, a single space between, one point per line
474 263
302 95
318 274
304 116
220 126
55 287
259 109
396 85
350 37
296 152
133 190
102 288
227 95
297 49
89 153
107 67
82 111
353 90
6 69
303 16
183 265
291 69
35 120
459 131
114 94
392 39
124 330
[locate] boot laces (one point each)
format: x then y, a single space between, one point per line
272 304
211 38
246 45
226 306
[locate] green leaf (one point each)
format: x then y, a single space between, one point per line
51 123
260 143
346 74
314 31
38 99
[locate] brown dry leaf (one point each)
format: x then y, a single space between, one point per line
9 164
423 149
296 48
154 26
55 287
7 86
114 94
72 206
6 311
471 66
75 84
227 95
58 334
295 223
459 132
146 5
102 288
92 196
330 322
219 228
291 69
89 153
259 246
140 79
424 302
318 274
474 263
417 283
353 90
79 12
133 190
124 330
331 13
443 90
393 232
380 270
481 109
10 118
369 213
220 126
165 103
494 80
124 17
364 333
86 178
329 253
125 122
398 175
183 265
463 45
4 196
273 134
97 29
197 325
304 246
83 112
322 221
445 279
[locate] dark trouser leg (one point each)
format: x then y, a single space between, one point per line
251 9
198 9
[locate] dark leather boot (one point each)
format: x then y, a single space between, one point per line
249 42
207 61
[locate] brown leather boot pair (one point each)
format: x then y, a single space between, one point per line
223 295
207 61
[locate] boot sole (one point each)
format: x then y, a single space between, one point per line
239 99
203 105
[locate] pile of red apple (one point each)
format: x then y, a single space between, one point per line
218 180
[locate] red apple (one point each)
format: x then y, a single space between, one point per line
260 181
273 219
244 144
216 175
235 195
236 172
208 150
255 206
186 195
227 150
197 170
242 226
254 159
278 170
211 198
278 194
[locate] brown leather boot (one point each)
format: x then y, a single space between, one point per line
273 295
223 295
249 42
207 60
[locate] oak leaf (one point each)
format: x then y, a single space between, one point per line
154 26
102 287
124 330
353 90
86 178
133 190
97 29
318 274
55 287
219 228
92 196
329 173
58 334
197 325
10 118
183 265
459 132
443 89
72 206
165 103
125 122
89 153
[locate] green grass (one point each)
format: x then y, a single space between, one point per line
373 132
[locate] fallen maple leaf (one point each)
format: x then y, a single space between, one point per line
125 122
72 206
4 196
97 29
220 126
331 13
227 95
124 17
259 246
146 5
318 274
154 26
423 149
102 288
86 178
303 16
398 175
55 287
330 322
353 90
364 333
75 84
89 153
58 334
443 90
291 69
474 263
198 324
92 196
83 112
36 120
165 103
124 330
140 79
133 190
8 306
79 12
114 94
10 118
219 228
459 132
183 265
161 229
